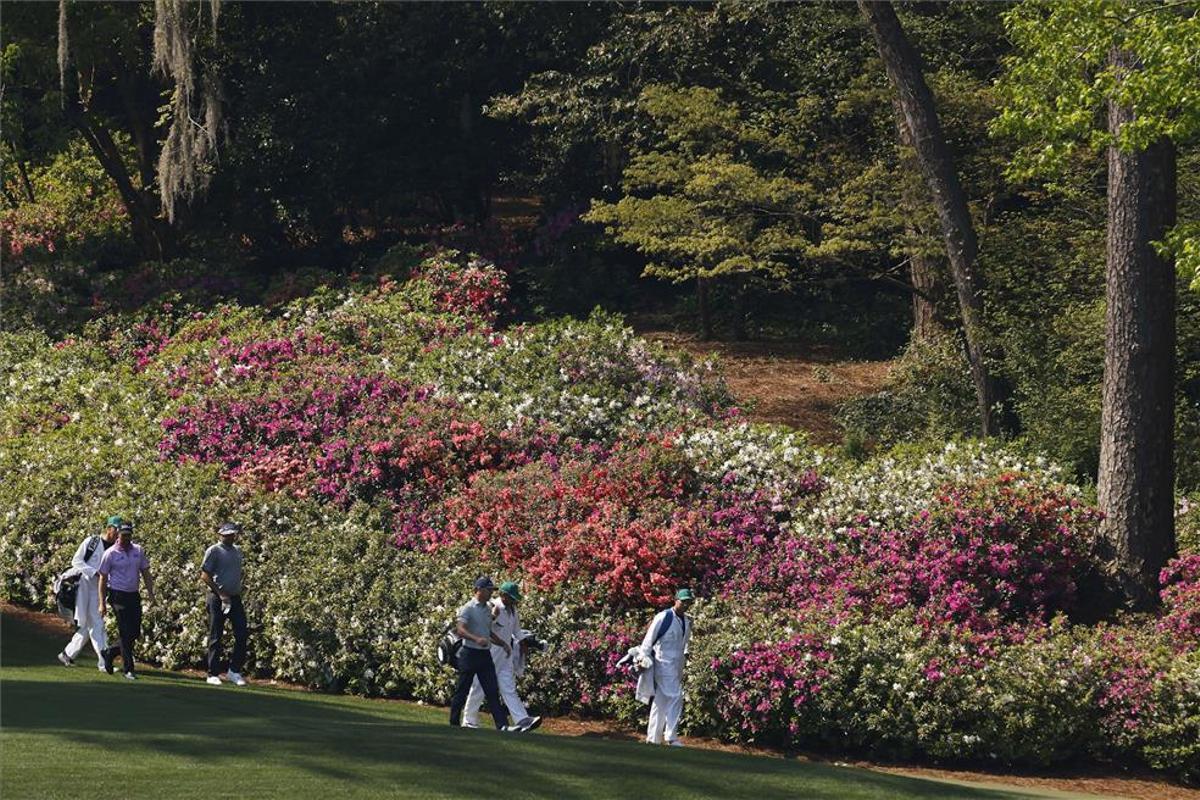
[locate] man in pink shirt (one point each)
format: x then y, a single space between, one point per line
120 570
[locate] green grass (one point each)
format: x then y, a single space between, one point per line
76 733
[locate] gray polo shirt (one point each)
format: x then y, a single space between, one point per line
224 564
476 617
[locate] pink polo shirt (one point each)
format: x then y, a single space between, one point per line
123 567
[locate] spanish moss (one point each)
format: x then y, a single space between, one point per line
184 166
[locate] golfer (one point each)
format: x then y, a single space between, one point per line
123 567
506 625
474 625
221 572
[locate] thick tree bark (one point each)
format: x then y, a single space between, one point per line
925 273
1137 423
903 67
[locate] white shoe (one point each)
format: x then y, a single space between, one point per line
530 724
236 678
214 680
675 743
471 725
129 676
66 660
101 668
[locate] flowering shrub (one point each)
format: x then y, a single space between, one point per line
892 489
383 443
982 554
340 438
756 458
77 208
471 286
624 522
591 380
772 686
1180 581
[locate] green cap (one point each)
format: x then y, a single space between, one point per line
511 589
113 522
685 594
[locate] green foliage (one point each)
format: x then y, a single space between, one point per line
1062 76
1171 737
711 196
929 397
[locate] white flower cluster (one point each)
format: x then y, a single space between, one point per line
592 379
891 490
752 457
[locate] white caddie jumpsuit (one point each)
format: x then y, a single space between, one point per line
87 602
505 624
669 655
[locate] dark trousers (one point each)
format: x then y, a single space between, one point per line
216 628
128 608
474 664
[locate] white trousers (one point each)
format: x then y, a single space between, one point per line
91 627
665 711
508 692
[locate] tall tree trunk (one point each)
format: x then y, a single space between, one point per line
1137 421
137 98
903 67
924 271
925 275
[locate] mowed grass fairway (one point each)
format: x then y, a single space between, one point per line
77 733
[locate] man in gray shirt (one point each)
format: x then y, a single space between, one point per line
221 572
474 625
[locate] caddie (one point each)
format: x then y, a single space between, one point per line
666 644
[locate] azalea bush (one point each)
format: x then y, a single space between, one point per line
385 439
1181 598
981 555
630 523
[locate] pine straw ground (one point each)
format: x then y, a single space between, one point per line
786 382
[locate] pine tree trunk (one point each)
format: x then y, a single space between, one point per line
1137 465
924 273
903 67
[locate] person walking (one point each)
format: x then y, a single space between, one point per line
221 572
86 564
122 568
474 625
666 644
506 625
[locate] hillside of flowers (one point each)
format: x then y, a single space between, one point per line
385 442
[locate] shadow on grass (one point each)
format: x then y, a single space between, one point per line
195 731
26 644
